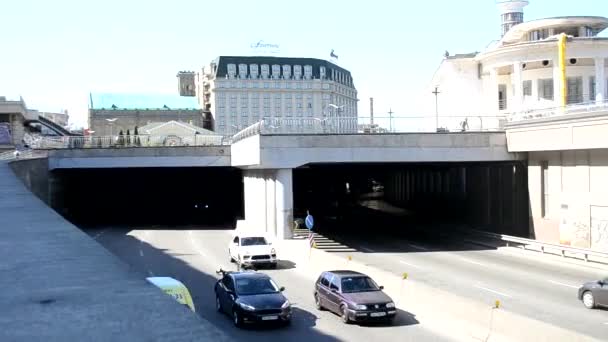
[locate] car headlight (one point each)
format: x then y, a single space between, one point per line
390 305
247 307
361 307
272 251
285 305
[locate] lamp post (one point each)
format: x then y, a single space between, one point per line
436 92
339 109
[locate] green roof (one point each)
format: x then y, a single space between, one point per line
141 101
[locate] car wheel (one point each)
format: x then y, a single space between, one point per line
344 312
236 319
318 303
218 303
588 300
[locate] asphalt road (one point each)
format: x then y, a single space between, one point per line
192 255
527 283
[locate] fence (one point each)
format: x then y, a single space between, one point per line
45 142
576 108
377 125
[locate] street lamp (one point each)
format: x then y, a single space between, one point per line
339 108
111 123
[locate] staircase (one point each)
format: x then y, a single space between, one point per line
323 243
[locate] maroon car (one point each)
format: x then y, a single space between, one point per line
354 296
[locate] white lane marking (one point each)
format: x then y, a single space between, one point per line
472 261
367 250
493 291
141 253
417 247
606 323
408 264
191 238
562 284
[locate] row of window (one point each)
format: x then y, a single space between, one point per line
284 72
283 85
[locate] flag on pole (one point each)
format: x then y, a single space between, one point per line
332 54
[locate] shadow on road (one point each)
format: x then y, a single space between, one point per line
403 319
147 260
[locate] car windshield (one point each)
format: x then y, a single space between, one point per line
255 286
253 241
358 284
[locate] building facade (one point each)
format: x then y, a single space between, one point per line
60 119
240 91
13 115
554 108
111 113
521 72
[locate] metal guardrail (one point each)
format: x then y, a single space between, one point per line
376 125
60 142
562 249
21 154
578 108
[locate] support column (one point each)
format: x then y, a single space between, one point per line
493 98
518 86
284 202
600 79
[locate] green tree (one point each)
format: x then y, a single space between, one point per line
128 138
136 141
121 139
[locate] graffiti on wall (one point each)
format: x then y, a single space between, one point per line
5 134
599 228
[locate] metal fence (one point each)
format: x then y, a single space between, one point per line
377 125
46 142
548 112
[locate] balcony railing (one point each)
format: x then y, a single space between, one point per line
548 112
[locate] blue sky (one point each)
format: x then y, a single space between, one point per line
56 52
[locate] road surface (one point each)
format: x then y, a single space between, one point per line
192 255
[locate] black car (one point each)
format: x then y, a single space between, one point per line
354 296
594 293
251 297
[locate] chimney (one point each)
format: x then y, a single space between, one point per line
371 110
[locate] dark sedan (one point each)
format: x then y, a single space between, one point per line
251 297
594 294
354 296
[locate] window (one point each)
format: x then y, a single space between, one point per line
545 89
544 190
228 283
575 89
358 284
253 70
325 279
502 97
333 285
527 88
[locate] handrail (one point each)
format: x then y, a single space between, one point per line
543 245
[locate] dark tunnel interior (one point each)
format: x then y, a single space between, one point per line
150 196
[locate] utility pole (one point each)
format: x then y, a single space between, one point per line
371 110
390 119
436 92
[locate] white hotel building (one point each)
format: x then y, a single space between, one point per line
520 78
240 91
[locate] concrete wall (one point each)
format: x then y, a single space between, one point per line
567 132
575 201
211 156
290 151
34 173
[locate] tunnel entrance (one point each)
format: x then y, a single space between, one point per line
149 196
489 196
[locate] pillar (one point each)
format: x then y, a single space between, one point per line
493 98
518 86
600 79
557 81
284 202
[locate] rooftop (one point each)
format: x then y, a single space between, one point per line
519 32
141 101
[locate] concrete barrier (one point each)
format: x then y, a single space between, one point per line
458 317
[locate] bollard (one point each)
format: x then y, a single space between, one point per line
404 275
497 304
350 258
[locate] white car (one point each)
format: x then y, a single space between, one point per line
252 249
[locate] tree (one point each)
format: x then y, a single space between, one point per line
121 139
128 137
136 140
